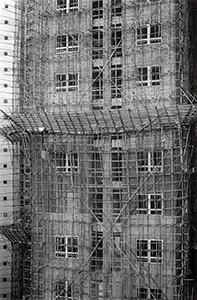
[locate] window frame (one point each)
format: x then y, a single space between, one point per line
116 81
97 208
117 165
64 84
140 40
148 200
97 87
67 43
148 292
151 161
97 42
66 6
116 40
149 257
148 77
97 253
116 8
64 290
116 203
66 253
97 9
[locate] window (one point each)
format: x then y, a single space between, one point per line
98 204
67 5
116 81
6 37
97 289
5 165
97 9
67 246
97 88
147 1
66 162
97 167
5 85
97 42
4 295
6 5
5 214
149 161
149 250
117 166
5 53
4 279
64 290
5 263
147 76
60 289
68 42
116 8
150 204
6 22
4 246
97 249
5 69
5 101
116 40
66 82
149 34
4 198
117 252
145 293
116 203
5 149
5 181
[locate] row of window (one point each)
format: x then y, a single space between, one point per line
146 76
64 290
68 246
144 35
97 7
147 161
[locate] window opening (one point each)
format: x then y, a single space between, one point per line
116 8
150 204
67 5
98 204
66 162
117 252
67 246
60 289
97 42
147 76
66 82
149 161
117 166
97 87
97 9
97 255
145 293
149 250
116 40
116 82
97 170
149 34
116 203
67 42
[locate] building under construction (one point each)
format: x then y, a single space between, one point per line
103 139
